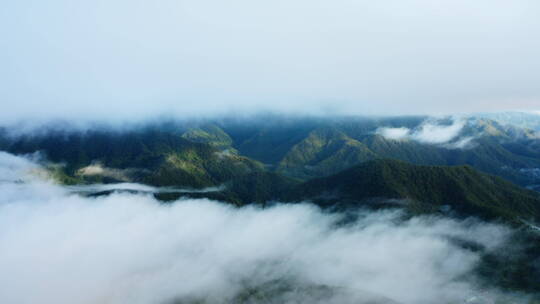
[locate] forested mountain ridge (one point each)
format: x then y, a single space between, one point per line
208 152
151 156
424 189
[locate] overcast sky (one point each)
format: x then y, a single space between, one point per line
133 59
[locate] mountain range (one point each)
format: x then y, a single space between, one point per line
456 167
212 151
472 165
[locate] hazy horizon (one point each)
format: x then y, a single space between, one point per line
129 60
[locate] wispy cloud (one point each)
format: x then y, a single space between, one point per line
463 143
432 131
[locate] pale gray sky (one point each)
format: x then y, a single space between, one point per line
124 59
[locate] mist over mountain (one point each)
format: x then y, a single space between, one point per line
295 146
129 248
520 119
261 152
203 211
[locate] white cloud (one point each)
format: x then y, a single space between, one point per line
97 169
463 143
135 187
13 167
432 131
394 133
92 170
63 248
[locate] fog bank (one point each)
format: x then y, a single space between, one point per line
59 247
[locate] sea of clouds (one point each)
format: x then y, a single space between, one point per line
60 247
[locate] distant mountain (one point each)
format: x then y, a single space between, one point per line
460 189
310 147
527 120
206 152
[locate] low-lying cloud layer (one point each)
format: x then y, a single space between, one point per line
432 131
59 247
136 188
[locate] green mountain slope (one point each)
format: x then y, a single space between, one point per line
148 155
260 187
424 189
209 134
487 155
325 150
